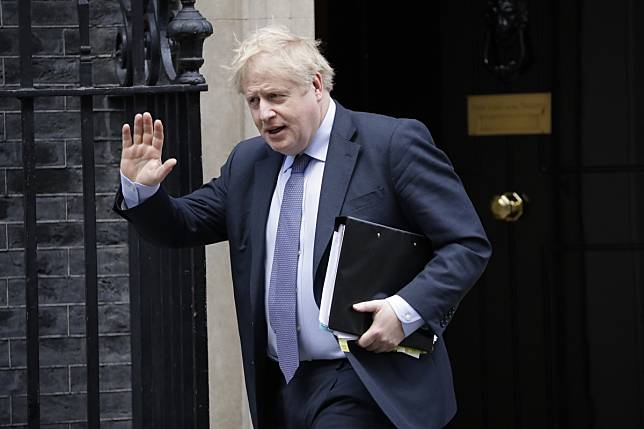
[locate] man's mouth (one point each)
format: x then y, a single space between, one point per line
275 130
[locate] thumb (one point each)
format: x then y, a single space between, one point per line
166 168
368 306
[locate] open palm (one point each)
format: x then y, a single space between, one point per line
141 155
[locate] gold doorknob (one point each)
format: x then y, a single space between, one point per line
507 207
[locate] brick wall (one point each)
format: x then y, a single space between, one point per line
60 228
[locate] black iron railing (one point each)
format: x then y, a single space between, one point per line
158 54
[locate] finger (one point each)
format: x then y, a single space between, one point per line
157 140
147 129
126 136
367 306
367 339
379 346
376 347
373 347
138 128
166 168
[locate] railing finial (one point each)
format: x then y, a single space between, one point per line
188 30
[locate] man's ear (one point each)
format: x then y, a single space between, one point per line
318 85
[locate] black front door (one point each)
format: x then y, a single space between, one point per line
552 336
505 343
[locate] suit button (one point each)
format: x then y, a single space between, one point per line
252 363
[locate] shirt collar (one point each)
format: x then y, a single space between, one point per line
320 143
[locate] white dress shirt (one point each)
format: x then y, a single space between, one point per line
314 342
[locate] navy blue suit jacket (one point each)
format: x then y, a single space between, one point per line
379 169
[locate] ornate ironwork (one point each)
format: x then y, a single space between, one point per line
169 368
506 52
168 10
189 29
151 43
122 52
174 32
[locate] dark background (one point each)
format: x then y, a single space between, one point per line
387 59
552 336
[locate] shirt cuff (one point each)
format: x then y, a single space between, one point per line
409 318
135 193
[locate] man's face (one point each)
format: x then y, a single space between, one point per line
286 115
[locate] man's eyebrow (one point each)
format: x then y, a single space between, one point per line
271 89
268 90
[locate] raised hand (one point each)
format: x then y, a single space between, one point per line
141 155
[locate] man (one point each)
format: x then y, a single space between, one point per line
276 202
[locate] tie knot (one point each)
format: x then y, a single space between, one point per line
300 163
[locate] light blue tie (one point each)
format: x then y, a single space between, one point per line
282 295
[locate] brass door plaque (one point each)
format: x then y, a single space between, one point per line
509 114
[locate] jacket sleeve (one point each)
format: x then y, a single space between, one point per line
198 218
434 200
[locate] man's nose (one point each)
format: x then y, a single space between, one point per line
265 110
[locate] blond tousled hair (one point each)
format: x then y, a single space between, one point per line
295 58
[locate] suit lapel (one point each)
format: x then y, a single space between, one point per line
340 162
264 181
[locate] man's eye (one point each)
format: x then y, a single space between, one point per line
276 97
253 101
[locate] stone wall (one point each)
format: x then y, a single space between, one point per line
226 121
60 228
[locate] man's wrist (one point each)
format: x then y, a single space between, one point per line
409 318
135 193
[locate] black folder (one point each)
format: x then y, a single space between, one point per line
375 261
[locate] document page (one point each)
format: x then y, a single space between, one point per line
329 280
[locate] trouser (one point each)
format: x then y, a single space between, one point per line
323 394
